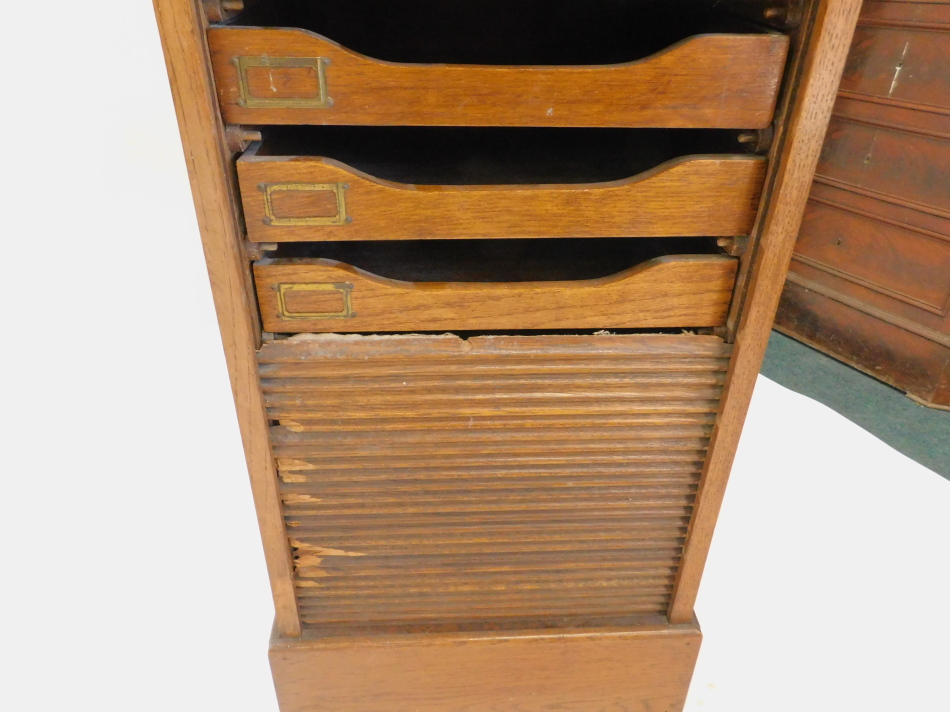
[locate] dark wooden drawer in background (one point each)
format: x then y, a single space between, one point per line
870 278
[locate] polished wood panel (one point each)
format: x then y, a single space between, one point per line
828 35
897 58
916 360
618 668
488 478
870 280
207 159
693 195
858 251
706 81
897 163
684 291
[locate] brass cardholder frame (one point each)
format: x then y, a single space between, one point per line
345 288
318 64
338 189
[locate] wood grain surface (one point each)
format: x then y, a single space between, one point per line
693 195
873 256
706 81
676 291
488 478
412 481
829 38
916 361
206 155
643 669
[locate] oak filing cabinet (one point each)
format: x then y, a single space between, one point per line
495 280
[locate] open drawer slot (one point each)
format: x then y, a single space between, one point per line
471 62
346 183
491 284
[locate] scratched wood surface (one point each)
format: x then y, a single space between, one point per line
640 669
488 478
870 277
675 291
706 81
692 195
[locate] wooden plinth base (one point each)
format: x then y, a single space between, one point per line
634 669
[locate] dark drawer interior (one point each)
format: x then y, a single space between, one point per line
474 156
538 32
521 260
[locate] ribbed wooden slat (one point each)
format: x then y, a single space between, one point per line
284 438
657 516
423 601
292 470
577 460
620 527
540 423
362 578
425 382
503 395
648 564
274 365
333 450
552 406
444 486
430 479
435 610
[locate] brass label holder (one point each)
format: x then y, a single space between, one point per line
338 189
318 64
345 289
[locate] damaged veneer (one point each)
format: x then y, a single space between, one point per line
483 509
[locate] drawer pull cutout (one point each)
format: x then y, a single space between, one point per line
288 204
315 300
282 82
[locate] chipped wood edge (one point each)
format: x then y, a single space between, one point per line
182 29
826 52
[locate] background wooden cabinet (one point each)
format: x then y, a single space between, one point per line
870 278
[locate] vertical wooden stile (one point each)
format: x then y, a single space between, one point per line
828 46
182 28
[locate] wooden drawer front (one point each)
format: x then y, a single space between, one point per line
436 479
864 251
298 199
323 295
900 61
909 167
281 76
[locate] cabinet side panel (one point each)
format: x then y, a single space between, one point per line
183 39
